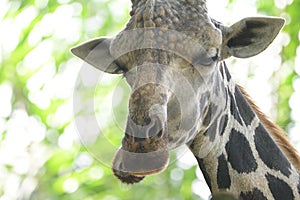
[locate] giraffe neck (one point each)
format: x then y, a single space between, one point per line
242 158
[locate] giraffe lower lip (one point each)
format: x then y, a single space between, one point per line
147 173
141 164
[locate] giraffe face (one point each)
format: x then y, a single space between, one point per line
168 54
167 70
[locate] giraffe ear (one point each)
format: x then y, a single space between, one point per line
250 36
96 53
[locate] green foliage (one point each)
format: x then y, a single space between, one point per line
41 155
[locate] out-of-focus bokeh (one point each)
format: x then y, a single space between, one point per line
41 154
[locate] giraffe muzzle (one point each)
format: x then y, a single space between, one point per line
144 152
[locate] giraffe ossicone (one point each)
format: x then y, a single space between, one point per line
172 56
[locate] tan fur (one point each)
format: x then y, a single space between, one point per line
276 132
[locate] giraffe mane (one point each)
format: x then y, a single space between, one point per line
278 135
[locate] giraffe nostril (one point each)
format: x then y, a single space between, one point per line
160 134
156 129
147 121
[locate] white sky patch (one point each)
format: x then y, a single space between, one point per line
282 3
297 60
185 158
64 24
41 3
90 75
90 22
6 93
62 86
214 11
61 25
11 186
22 150
294 132
29 130
24 19
40 99
46 85
83 160
70 185
9 35
295 114
64 113
40 78
69 136
86 129
2 126
200 188
3 8
96 173
11 29
118 95
63 1
103 107
219 10
27 187
117 7
39 56
177 174
205 191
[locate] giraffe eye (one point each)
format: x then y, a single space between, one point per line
215 58
214 54
206 59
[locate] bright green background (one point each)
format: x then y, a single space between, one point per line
41 156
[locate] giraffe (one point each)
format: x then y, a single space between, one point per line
172 54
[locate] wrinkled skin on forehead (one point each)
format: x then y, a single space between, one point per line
188 20
168 54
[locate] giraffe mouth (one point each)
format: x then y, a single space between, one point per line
132 167
144 150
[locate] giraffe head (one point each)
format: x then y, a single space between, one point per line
168 54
